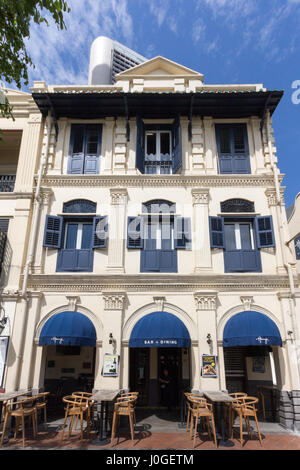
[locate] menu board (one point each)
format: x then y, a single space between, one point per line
110 365
209 366
3 353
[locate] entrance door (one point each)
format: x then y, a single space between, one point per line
171 359
139 373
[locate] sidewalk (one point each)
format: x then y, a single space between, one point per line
154 432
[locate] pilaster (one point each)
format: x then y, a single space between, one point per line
198 163
120 147
209 145
203 261
117 234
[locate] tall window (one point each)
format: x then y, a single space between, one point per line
85 149
159 233
76 236
233 148
158 147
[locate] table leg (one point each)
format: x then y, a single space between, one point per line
102 417
222 438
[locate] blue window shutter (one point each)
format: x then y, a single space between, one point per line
140 145
135 232
176 146
92 146
233 149
297 247
100 228
53 231
76 149
182 233
216 225
264 231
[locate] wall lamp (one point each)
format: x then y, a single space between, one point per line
3 321
208 339
111 339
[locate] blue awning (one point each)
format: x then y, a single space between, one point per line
159 329
251 328
68 329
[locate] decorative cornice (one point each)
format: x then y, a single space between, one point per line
174 283
118 196
272 196
125 181
114 300
205 301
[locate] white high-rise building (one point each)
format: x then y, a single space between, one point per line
108 58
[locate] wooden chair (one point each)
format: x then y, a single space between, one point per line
20 410
78 409
41 403
230 407
201 409
123 407
85 397
245 407
189 405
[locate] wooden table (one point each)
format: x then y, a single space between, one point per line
218 399
103 400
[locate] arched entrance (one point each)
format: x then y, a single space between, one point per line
70 338
159 341
250 342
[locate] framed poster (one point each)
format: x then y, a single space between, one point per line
110 365
3 354
209 366
259 364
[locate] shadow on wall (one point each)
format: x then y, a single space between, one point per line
6 264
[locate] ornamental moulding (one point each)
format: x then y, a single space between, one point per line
158 181
205 301
114 301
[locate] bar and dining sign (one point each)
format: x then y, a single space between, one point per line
209 366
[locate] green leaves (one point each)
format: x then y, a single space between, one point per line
15 19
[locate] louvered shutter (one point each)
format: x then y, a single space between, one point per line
140 145
76 149
100 229
264 231
53 231
176 146
182 233
216 225
135 232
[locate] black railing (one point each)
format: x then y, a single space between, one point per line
2 247
7 183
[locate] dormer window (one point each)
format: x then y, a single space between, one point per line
158 147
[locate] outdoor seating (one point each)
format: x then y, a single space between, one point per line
41 403
124 406
75 408
201 409
85 397
230 407
245 407
189 405
20 410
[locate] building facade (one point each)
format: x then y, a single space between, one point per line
149 231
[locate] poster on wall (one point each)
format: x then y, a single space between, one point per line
3 354
259 364
110 365
209 366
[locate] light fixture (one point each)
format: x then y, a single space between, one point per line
111 338
289 332
208 338
3 321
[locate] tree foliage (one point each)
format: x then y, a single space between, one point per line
16 17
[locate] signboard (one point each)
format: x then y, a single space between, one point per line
209 366
110 365
3 353
258 364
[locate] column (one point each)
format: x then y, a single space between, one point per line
58 155
117 230
207 333
28 355
106 167
201 242
120 146
114 303
39 256
210 148
257 144
272 203
198 163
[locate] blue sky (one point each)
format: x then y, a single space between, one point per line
229 41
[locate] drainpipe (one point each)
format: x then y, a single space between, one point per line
31 251
287 265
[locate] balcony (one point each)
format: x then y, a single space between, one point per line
7 183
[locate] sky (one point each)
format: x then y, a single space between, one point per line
229 41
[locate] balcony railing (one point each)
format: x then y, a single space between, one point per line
7 183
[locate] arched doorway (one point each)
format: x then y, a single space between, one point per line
70 339
159 341
250 343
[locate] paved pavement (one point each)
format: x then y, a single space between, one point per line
154 431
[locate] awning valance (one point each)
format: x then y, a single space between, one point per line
251 328
160 330
68 329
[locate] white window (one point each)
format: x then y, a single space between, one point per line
158 152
